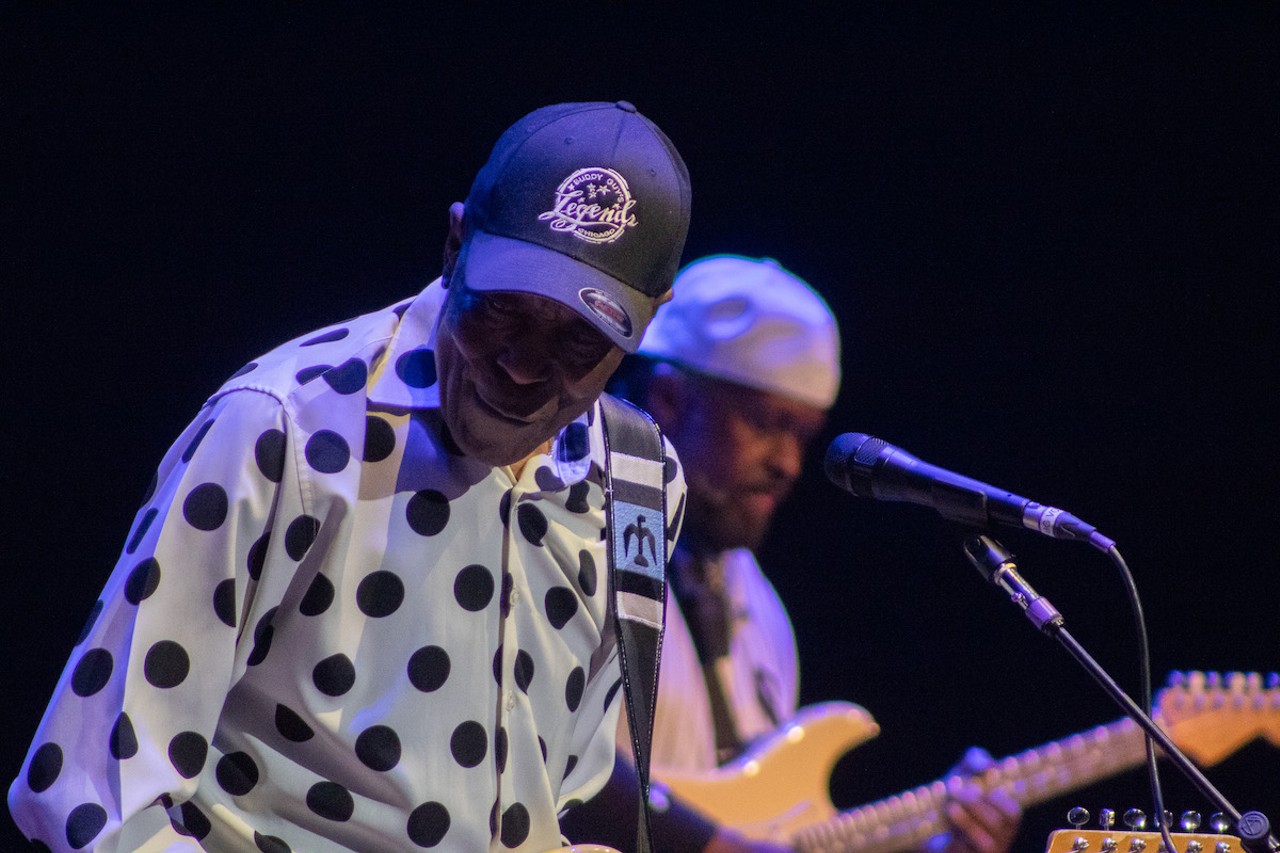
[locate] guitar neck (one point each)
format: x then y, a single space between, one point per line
902 821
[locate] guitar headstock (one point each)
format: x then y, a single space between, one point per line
1129 841
1210 715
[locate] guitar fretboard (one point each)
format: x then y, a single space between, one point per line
903 821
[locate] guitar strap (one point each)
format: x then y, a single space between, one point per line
635 512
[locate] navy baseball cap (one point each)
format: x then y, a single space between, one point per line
584 203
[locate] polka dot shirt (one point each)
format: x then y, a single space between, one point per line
329 631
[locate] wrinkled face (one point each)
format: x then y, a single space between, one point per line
742 450
514 369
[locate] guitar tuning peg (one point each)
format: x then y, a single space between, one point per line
1219 822
1177 678
1106 818
1273 680
1078 817
1190 821
1135 819
1168 818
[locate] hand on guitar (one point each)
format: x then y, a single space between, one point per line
978 821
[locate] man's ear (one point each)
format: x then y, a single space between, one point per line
666 399
452 242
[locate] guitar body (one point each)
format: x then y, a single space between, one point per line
781 783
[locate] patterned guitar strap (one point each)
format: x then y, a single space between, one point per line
636 523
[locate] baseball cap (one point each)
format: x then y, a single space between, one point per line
585 203
752 322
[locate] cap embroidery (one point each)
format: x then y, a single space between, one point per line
607 309
594 205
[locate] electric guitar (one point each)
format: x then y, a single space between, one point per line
778 790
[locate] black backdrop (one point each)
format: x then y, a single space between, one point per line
1051 238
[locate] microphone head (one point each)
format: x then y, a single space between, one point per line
849 462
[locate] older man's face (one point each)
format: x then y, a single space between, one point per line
514 369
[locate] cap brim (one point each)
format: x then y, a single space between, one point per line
491 263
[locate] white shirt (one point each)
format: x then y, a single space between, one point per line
327 632
760 675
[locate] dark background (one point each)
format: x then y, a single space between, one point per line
1051 238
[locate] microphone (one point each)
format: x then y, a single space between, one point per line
872 468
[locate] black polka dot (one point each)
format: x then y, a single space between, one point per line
497 665
533 524
515 826
427 512
257 557
318 598
379 439
326 337
334 675
190 452
569 765
123 742
84 823
90 622
166 664
573 688
575 442
669 469
380 594
291 726
224 602
270 844
612 692
587 575
577 500
46 764
268 452
348 377
306 374
263 633
92 672
504 508
429 668
473 588
500 750
468 744
561 603
187 752
378 748
144 524
417 368
330 801
508 585
547 480
248 368
237 773
205 507
524 670
302 531
142 581
194 822
428 824
542 747
327 452
150 491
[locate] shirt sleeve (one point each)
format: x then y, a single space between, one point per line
123 742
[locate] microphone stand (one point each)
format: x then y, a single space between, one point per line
996 564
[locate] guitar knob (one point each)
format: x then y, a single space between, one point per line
1078 817
1219 822
1135 819
1190 821
1106 818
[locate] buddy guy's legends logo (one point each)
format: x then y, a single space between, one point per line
593 204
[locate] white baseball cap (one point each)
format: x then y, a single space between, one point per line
752 322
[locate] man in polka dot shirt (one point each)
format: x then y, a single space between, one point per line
363 607
740 369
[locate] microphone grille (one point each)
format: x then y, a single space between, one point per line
850 459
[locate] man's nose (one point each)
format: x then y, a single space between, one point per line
525 362
788 455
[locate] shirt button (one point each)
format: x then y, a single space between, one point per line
514 597
511 701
